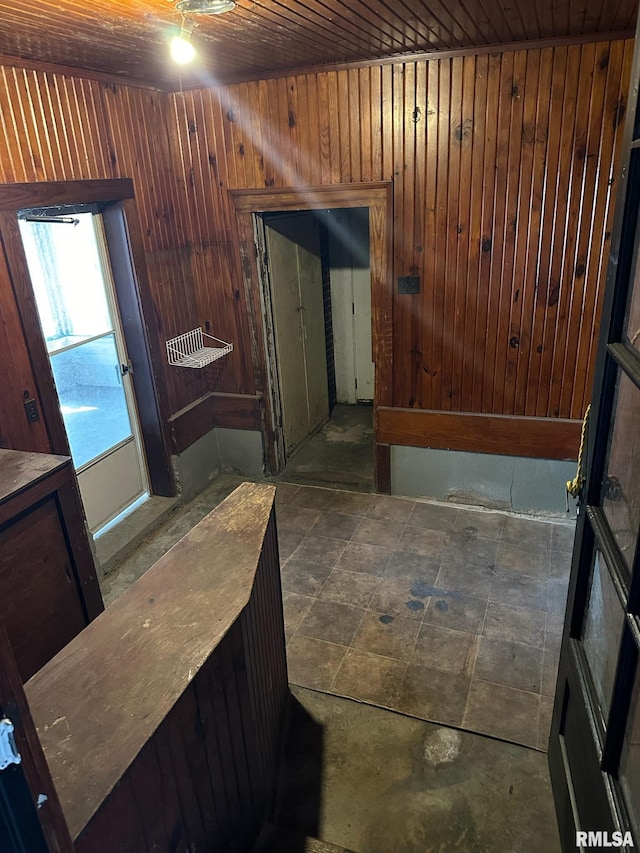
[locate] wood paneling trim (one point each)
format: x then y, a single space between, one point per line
378 198
52 193
70 71
356 194
382 464
131 280
20 298
234 411
538 438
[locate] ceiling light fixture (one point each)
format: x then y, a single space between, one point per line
205 7
182 51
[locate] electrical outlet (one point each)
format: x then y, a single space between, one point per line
31 408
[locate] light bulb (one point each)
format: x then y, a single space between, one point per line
182 51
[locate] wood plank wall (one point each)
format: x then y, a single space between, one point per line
502 166
55 127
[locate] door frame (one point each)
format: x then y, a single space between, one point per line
584 748
378 198
126 255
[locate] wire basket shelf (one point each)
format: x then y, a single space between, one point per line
194 350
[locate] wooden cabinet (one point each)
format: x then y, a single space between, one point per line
48 583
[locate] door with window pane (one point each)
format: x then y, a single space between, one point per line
78 312
594 750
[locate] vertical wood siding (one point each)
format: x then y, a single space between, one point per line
502 167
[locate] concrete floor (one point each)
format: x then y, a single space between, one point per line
453 615
364 777
377 782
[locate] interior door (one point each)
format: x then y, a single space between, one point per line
365 368
312 319
295 275
78 312
285 294
594 750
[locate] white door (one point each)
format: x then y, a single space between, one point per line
78 312
365 368
295 274
351 305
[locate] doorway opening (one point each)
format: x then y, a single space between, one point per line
316 297
75 296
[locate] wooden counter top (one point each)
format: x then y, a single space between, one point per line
101 698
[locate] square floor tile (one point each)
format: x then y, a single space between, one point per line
296 519
562 536
524 561
429 543
467 580
464 613
318 550
296 608
557 595
354 588
372 531
313 663
390 508
516 624
433 517
519 590
287 543
444 649
476 524
503 712
411 567
559 565
394 598
331 621
386 635
303 578
369 678
510 664
553 635
471 551
352 503
335 525
358 557
312 497
284 493
549 672
527 533
545 715
433 695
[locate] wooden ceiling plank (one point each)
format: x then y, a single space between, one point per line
128 42
476 12
297 31
440 12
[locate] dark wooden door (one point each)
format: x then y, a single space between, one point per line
594 751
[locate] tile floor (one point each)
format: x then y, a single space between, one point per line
448 614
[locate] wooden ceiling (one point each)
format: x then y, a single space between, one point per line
128 38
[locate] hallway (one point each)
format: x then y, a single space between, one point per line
339 455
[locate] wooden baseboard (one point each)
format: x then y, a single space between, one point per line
233 411
537 438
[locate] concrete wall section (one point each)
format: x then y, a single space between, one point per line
237 451
535 486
